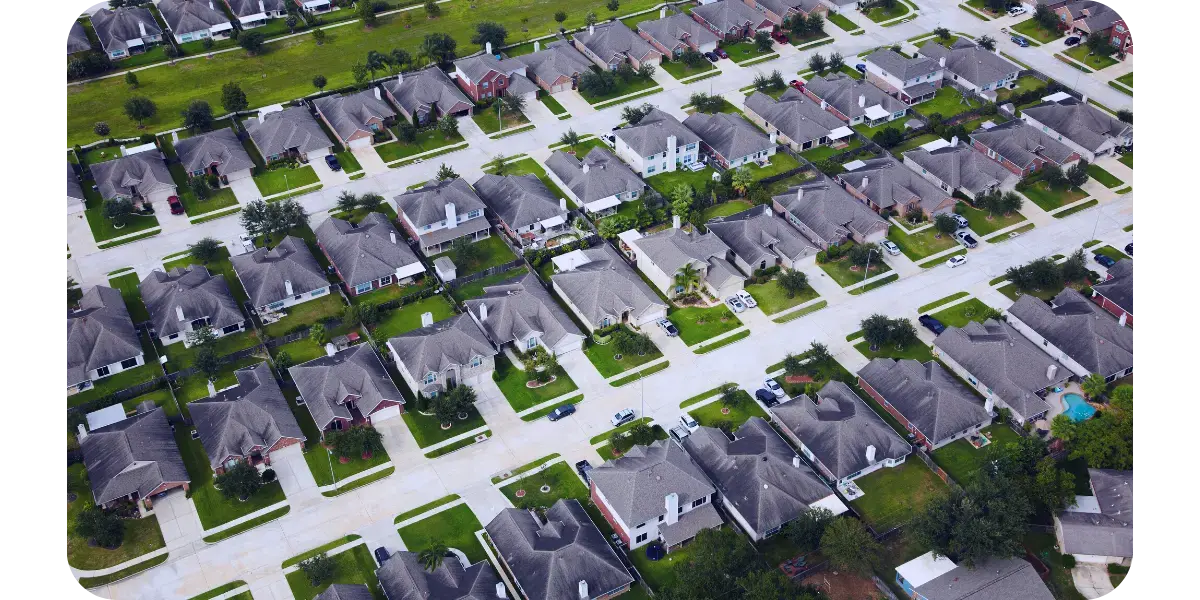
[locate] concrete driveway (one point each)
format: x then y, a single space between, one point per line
292 470
177 518
245 190
328 176
370 161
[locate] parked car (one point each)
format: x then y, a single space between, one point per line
712 56
747 299
796 83
584 467
679 433
861 68
333 163
774 386
1072 41
1104 261
246 243
688 422
565 410
891 247
622 417
931 324
381 555
767 397
1020 41
1129 248
735 304
668 327
955 261
961 220
964 238
721 52
1016 11
175 204
779 36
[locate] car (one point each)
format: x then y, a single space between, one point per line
246 243
679 433
381 555
955 261
175 204
688 422
747 299
1016 11
796 83
1020 41
964 238
767 397
735 304
565 410
1072 41
962 221
333 163
721 52
1105 261
779 36
891 247
712 56
774 386
931 324
1129 248
861 68
622 417
668 327
584 467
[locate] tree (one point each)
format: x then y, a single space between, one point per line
613 5
1046 17
985 518
877 330
205 249
590 18
439 48
131 80
848 545
1011 202
687 277
233 99
1106 440
448 126
199 187
357 441
706 103
634 114
942 33
318 569
596 82
682 196
992 202
399 59
101 129
1098 44
291 21
731 396
464 251
902 333
888 137
370 201
251 41
861 254
316 333
793 282
431 557
816 23
945 224
512 103
996 6
817 63
239 481
74 293
197 116
1077 174
432 9
719 558
366 11
645 71
102 528
836 62
464 397
560 16
569 139
692 58
742 178
807 529
364 314
207 362
489 32
1094 386
771 585
320 82
140 108
1075 268
444 409
346 201
762 41
406 132
117 210
361 73
375 61
446 173
1125 115
319 36
986 42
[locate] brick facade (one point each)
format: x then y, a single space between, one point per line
607 512
1112 307
920 437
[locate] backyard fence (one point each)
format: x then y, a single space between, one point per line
488 272
941 473
226 359
118 397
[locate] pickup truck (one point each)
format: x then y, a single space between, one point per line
964 238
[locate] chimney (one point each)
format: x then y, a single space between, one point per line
210 5
989 405
483 312
562 204
399 79
586 168
871 454
179 313
942 62
866 180
1083 100
82 432
501 591
591 31
262 7
799 193
537 46
774 136
212 389
488 48
451 216
142 28
426 319
824 105
672 145
378 94
954 141
1124 318
662 14
796 461
672 506
392 235
862 100
330 349
675 222
1051 371
287 286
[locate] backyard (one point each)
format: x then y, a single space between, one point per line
947 102
780 162
512 382
772 298
819 153
664 182
300 316
124 379
454 527
353 566
408 317
696 323
724 209
492 252
475 288
604 358
961 460
563 482
893 496
1024 84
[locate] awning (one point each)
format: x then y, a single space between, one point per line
554 221
840 133
602 204
876 112
935 145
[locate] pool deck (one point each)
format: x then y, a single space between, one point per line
1055 400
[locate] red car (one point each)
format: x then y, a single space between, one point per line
796 83
780 37
176 205
721 52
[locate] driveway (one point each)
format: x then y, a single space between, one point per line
1091 580
292 470
328 176
177 518
370 161
245 190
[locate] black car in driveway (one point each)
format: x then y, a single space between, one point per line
381 555
584 467
767 397
1129 248
1106 261
333 163
562 411
931 324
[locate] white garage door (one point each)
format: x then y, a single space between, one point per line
363 142
385 414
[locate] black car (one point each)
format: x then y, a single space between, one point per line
712 56
1104 260
1129 248
562 411
584 467
381 555
333 163
931 324
1071 41
767 397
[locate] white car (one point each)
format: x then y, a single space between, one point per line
624 416
735 304
891 247
747 299
688 422
956 261
774 387
1016 11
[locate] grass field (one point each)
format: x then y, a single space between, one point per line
454 527
408 317
961 314
893 496
1104 177
494 253
1031 29
961 460
983 223
605 361
563 482
844 274
1049 198
697 324
710 414
353 566
772 299
947 102
520 397
141 535
922 244
678 70
426 141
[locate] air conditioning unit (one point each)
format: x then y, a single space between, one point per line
299 401
195 434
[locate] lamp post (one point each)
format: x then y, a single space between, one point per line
867 270
329 455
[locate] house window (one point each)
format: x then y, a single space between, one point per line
173 336
362 288
640 525
129 363
633 194
473 214
700 501
650 169
476 361
314 293
231 328
102 371
641 538
691 147
485 85
430 378
531 344
275 305
662 518
385 280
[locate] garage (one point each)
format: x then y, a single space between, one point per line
385 414
360 142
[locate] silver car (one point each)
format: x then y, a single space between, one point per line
747 299
891 247
735 304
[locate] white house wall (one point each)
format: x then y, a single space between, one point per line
1090 156
292 301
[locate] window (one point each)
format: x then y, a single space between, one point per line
650 169
473 214
531 344
129 363
173 336
385 280
476 361
231 328
430 378
102 372
691 147
662 518
485 85
700 501
314 293
640 525
641 538
275 305
363 288
633 194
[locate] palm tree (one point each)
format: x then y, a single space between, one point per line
1094 386
742 180
687 277
570 138
431 557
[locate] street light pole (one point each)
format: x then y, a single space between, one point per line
867 270
329 456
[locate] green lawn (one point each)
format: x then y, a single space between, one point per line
845 274
1024 83
710 414
622 88
961 314
1045 547
917 351
772 299
180 357
948 102
475 288
491 121
426 141
1031 29
104 229
1126 79
1110 252
678 70
661 574
358 214
724 209
913 143
842 22
217 591
980 6
308 313
743 51
284 178
563 482
427 431
1104 177
216 200
583 148
453 527
1049 198
819 153
664 182
141 535
328 469
195 387
697 324
221 264
408 317
919 245
605 361
520 397
160 397
212 507
893 496
354 566
961 460
128 286
983 223
1082 54
869 131
880 14
554 106
493 252
780 162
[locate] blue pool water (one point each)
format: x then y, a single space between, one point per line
1076 408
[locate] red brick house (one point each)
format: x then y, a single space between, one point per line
483 77
1121 37
779 11
1022 148
246 422
346 388
1115 293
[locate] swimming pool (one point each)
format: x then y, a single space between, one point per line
1076 408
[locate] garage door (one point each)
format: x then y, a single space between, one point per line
362 142
385 414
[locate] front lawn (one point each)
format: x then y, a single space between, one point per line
1110 252
141 535
880 14
846 274
948 102
1082 54
697 324
554 106
678 70
724 209
454 527
1049 198
961 314
1126 159
408 317
211 506
104 229
563 482
582 148
961 460
893 496
490 119
841 21
511 382
426 141
353 566
428 431
328 469
1030 28
605 359
1104 177
300 316
983 223
743 51
920 245
493 252
772 299
781 162
664 182
284 178
710 414
622 88
216 200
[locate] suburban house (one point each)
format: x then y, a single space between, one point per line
403 577
884 183
1087 16
1077 333
673 34
441 212
1115 293
187 299
657 144
142 178
912 80
556 68
839 434
484 77
927 399
101 339
255 13
653 493
1121 37
77 39
347 387
1022 148
599 182
368 255
218 152
1004 366
779 11
356 119
291 133
796 120
76 199
968 66
439 356
761 482
564 557
346 591
314 6
1087 130
521 312
1099 528
730 140
426 96
959 168
828 215
840 6
602 290
528 211
760 239
731 19
612 43
247 422
126 31
283 276
192 20
133 459
662 255
930 577
853 100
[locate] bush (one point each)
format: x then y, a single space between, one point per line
268 475
822 257
1068 561
1117 569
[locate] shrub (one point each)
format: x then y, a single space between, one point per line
1068 561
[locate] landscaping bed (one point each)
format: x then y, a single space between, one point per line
212 507
354 566
697 324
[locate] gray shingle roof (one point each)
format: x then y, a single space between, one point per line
731 136
220 147
928 396
245 8
780 7
606 286
115 27
758 234
417 93
348 115
1005 362
477 67
991 579
186 16
404 578
253 414
1021 143
346 591
327 382
137 454
830 211
963 167
184 294
970 62
278 132
1096 16
99 333
1081 329
729 14
841 91
689 524
1108 532
520 307
614 39
606 174
427 205
636 484
900 66
557 60
674 29
839 429
671 249
145 171
1079 122
447 343
365 252
794 115
77 39
74 190
890 183
649 136
265 273
549 559
519 200
1119 289
755 472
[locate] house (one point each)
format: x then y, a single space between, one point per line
662 255
912 80
760 239
600 288
291 133
926 399
968 66
1004 366
1077 333
426 96
612 43
521 312
828 215
255 13
796 120
779 11
853 100
346 591
403 577
314 6
599 182
1022 148
217 152
959 168
187 299
1099 528
142 178
284 276
1087 17
193 20
657 144
356 119
441 212
840 434
484 77
439 356
133 459
101 339
654 493
883 183
1087 130
126 31
368 255
347 387
528 211
1115 293
673 34
731 20
931 577
76 199
247 422
77 39
730 140
556 68
761 482
1121 37
563 557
